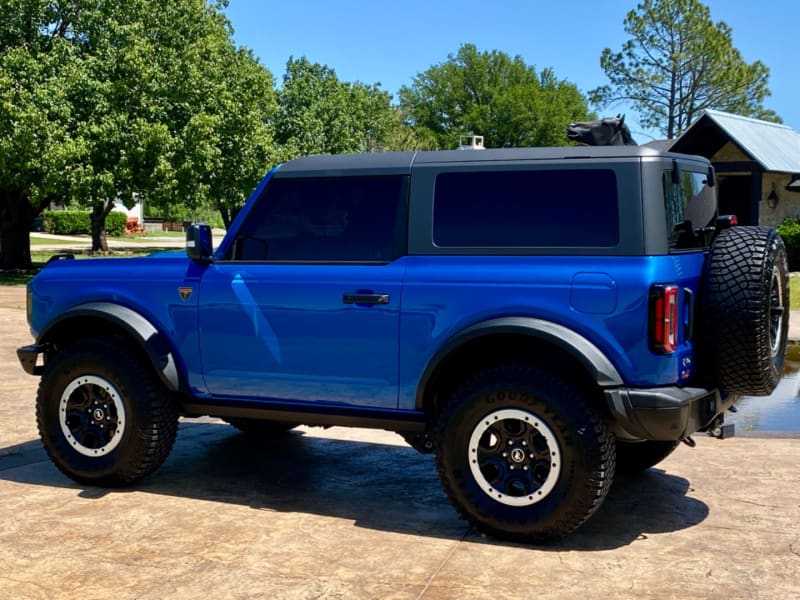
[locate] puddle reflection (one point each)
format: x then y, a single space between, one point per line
778 412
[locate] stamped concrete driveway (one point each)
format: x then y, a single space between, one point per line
344 513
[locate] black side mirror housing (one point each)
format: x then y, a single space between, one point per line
199 243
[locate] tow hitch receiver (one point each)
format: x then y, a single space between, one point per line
723 431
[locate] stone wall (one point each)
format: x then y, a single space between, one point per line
788 202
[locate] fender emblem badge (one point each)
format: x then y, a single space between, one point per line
185 292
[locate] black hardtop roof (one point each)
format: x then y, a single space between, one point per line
402 162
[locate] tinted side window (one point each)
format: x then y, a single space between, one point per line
690 205
348 219
545 208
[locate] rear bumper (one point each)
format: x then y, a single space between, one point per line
664 413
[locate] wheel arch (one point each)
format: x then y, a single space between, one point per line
510 338
122 321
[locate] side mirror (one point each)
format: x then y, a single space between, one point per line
199 243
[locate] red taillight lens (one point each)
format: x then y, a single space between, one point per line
664 318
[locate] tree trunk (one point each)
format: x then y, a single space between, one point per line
16 218
100 210
228 215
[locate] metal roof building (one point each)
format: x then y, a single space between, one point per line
757 161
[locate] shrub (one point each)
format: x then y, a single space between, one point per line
789 230
115 223
71 222
66 222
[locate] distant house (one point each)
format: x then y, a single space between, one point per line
134 211
757 165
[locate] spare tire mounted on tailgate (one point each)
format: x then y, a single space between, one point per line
744 304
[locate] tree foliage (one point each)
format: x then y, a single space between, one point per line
319 114
494 95
111 100
677 63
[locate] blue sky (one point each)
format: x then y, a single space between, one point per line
390 42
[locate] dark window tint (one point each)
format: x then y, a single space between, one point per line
690 205
351 219
526 208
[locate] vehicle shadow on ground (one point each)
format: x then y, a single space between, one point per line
377 486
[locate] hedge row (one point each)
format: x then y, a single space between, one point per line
789 230
70 222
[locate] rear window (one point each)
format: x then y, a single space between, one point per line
690 206
544 208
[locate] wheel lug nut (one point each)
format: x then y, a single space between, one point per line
505 454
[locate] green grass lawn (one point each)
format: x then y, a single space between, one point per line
37 241
794 292
139 238
143 238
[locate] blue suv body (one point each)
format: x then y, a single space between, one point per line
534 316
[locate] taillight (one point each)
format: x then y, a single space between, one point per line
664 318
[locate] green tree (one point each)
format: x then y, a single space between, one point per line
319 114
110 100
221 114
404 135
677 63
36 144
494 95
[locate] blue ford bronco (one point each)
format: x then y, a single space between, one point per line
538 318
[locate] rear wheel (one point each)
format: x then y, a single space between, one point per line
522 455
103 415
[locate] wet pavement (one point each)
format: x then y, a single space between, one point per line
778 412
345 513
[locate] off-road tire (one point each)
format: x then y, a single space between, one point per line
539 402
261 427
635 457
745 303
104 417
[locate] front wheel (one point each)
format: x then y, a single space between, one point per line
103 415
522 454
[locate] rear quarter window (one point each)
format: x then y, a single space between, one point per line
690 205
533 208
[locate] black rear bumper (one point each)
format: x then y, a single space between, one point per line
664 413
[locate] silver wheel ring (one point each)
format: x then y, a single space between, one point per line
541 428
777 339
115 397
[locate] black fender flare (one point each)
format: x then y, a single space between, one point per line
140 329
596 363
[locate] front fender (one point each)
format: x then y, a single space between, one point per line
142 331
